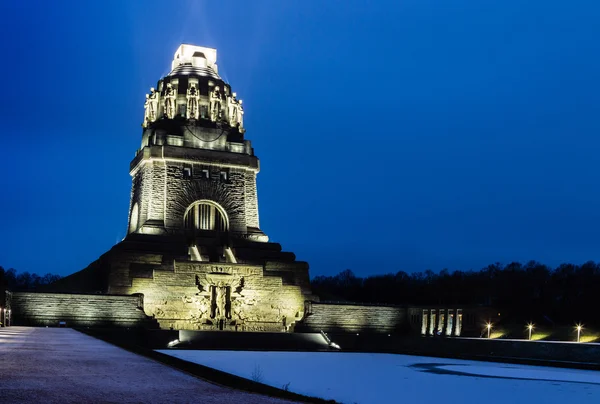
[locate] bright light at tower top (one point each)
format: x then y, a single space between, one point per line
198 56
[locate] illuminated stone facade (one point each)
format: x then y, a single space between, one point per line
194 248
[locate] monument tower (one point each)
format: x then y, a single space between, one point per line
194 248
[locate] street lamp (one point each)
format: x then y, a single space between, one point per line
530 327
578 328
489 328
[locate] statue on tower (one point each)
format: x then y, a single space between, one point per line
146 111
232 104
215 105
152 104
192 102
240 114
170 95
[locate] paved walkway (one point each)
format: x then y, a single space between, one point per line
61 365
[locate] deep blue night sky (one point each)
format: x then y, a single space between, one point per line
401 135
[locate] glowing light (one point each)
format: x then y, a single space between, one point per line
489 328
530 328
579 327
199 56
173 343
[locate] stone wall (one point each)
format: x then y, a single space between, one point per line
446 321
338 317
251 200
49 309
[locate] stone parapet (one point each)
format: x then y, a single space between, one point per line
55 309
356 318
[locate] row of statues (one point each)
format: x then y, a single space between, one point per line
218 104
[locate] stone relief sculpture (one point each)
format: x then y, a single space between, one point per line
215 105
232 104
193 110
170 95
221 300
146 112
220 303
240 114
229 301
152 100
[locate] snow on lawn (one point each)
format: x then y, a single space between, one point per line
385 378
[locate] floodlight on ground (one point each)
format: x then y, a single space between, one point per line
530 328
579 327
173 343
489 328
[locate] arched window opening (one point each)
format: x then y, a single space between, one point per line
206 215
134 218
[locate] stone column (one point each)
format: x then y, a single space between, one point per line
451 318
442 321
433 320
458 322
424 319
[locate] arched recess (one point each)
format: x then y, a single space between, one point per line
206 215
134 218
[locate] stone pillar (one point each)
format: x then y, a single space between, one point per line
451 321
458 322
433 319
442 321
424 319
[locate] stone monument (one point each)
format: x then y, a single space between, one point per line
194 250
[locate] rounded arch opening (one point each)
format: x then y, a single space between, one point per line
206 215
134 218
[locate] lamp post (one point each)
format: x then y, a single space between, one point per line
530 327
578 328
489 328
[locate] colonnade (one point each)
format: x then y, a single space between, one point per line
441 322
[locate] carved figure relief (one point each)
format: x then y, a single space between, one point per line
232 104
193 110
146 112
170 95
220 301
152 100
224 297
215 105
240 114
200 285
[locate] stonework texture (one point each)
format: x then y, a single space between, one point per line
334 317
184 298
49 309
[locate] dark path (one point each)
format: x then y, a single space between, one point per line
60 365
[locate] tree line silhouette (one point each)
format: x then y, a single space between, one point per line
521 292
24 281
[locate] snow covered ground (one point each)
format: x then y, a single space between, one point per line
385 378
